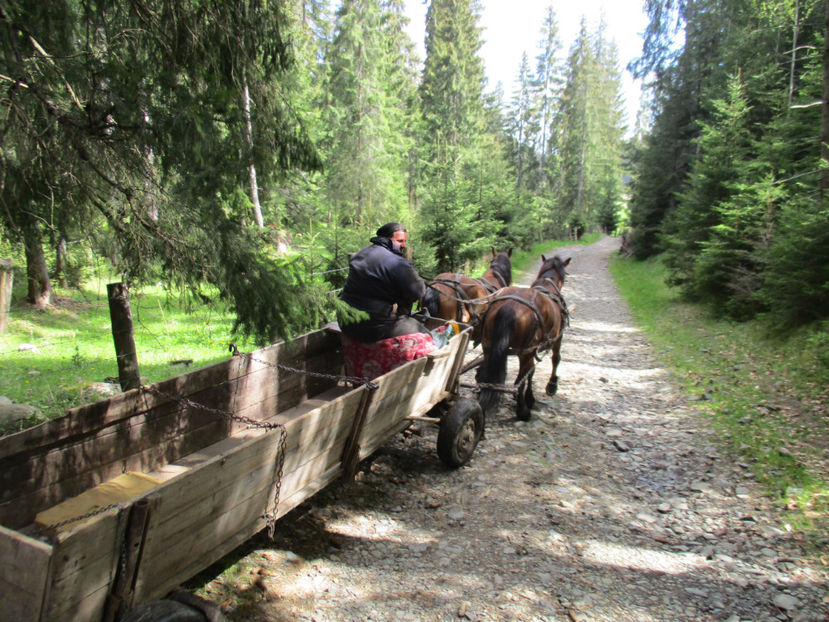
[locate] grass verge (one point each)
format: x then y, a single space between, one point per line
765 394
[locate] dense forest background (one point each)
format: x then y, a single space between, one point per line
242 150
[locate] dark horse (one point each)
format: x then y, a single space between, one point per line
523 321
461 298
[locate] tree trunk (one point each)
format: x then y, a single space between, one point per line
6 279
60 261
793 61
121 317
40 287
254 186
824 117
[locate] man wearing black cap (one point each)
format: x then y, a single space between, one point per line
384 284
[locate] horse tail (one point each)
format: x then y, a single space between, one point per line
494 367
431 301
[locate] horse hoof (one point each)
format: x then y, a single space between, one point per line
552 388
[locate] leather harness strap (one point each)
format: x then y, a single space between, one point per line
554 297
461 296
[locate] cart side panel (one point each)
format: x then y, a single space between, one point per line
84 563
215 506
23 576
142 429
390 405
411 390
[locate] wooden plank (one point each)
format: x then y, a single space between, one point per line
193 567
390 402
144 442
238 480
24 575
178 534
188 551
92 417
84 590
85 559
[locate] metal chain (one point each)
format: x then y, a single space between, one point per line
68 521
270 517
254 423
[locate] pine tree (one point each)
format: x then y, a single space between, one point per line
147 132
699 241
451 101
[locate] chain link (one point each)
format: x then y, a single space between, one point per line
82 517
356 380
270 517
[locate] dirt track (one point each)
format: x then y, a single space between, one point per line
613 503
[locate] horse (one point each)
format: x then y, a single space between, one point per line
525 322
458 297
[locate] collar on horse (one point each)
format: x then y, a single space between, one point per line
556 297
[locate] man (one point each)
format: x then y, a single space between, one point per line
384 284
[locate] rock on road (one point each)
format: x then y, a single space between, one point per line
614 502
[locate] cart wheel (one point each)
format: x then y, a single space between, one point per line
165 611
460 430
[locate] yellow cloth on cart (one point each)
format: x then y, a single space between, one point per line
124 487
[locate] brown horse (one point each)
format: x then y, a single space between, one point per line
458 297
525 322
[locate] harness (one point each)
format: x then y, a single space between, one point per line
463 298
555 297
460 293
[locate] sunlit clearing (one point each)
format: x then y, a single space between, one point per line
635 558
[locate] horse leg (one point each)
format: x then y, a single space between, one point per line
524 398
552 385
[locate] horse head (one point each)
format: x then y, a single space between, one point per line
501 266
552 268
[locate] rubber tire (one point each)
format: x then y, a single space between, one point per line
165 611
460 430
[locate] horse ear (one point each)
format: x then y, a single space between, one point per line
509 252
543 258
566 262
494 254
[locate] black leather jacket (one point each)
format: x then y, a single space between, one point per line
380 277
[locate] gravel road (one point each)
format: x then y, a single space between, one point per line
614 502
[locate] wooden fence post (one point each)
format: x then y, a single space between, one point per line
6 276
121 318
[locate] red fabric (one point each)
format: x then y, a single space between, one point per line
369 360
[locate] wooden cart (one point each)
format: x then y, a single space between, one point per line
201 462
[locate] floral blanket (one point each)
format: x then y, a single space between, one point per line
370 360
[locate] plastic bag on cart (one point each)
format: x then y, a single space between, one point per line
442 334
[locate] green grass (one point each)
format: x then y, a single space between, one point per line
74 347
765 394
